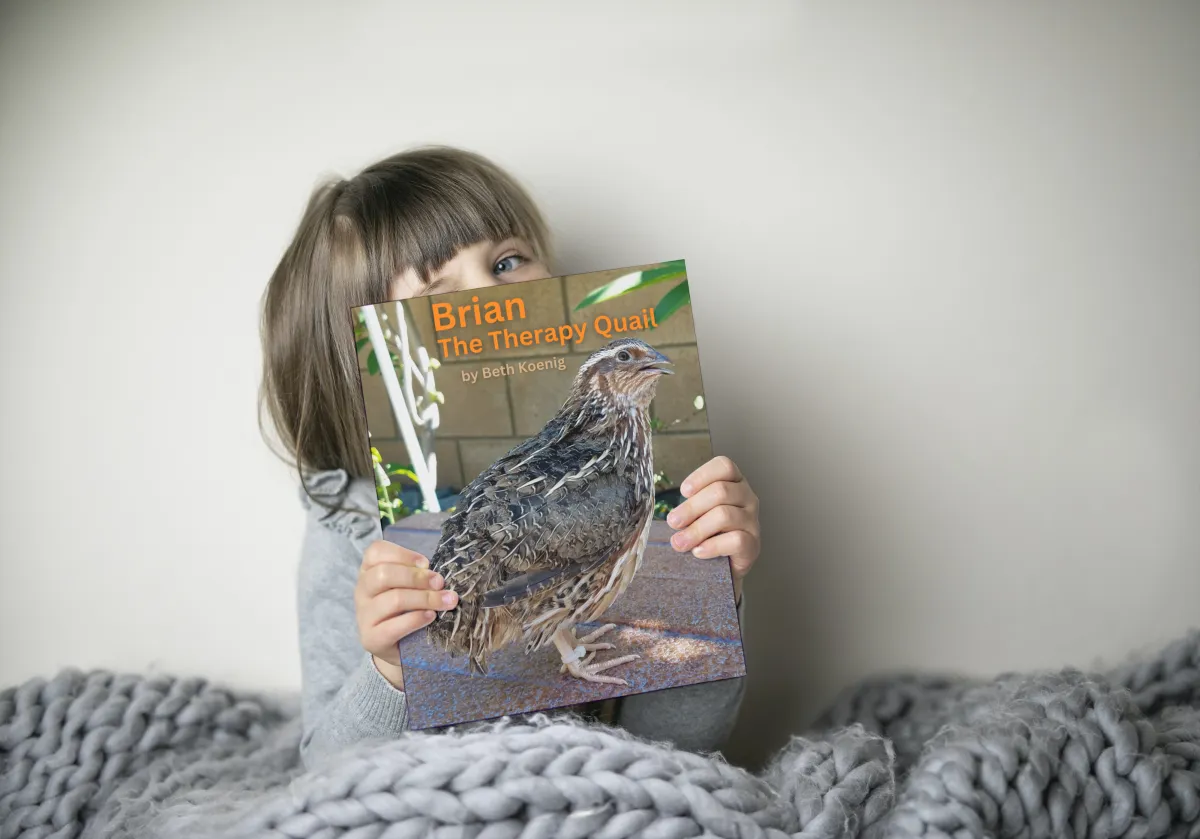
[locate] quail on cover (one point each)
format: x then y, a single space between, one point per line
553 532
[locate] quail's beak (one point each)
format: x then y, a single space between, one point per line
658 363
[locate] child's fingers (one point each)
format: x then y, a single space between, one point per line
718 469
741 546
397 601
379 578
382 638
714 495
717 520
381 552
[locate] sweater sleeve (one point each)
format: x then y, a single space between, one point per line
695 718
344 698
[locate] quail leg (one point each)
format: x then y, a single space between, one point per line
589 647
578 664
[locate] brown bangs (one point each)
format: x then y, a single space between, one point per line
413 210
419 209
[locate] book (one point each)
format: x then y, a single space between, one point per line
530 439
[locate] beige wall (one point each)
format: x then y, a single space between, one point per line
483 420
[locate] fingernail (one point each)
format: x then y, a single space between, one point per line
430 616
686 489
673 519
422 562
436 582
701 552
449 598
679 541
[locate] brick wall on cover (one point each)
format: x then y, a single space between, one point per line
482 421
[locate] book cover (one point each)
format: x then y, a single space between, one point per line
530 439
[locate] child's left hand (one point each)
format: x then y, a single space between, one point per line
719 518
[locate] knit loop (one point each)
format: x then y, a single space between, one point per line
1062 754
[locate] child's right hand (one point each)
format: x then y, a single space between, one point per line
396 595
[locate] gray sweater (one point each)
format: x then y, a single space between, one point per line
346 700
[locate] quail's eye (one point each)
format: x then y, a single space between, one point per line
623 355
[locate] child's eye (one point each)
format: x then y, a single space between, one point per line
509 263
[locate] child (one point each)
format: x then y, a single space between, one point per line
422 222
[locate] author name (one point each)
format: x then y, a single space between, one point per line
502 370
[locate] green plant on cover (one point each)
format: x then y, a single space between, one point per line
671 302
387 491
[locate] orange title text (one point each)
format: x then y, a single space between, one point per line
508 336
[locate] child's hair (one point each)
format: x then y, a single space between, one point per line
415 210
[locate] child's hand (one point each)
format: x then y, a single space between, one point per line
396 595
720 517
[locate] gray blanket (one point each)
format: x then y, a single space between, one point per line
1062 754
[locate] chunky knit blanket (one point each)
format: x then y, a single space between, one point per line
1063 754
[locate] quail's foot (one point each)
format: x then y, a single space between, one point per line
577 655
590 672
591 649
589 639
586 643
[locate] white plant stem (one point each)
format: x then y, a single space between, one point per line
425 418
410 398
400 409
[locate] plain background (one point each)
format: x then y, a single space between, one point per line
945 256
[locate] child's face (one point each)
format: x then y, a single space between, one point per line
480 265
